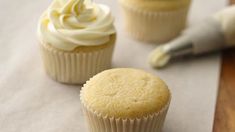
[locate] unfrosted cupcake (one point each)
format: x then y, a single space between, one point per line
125 100
155 20
77 38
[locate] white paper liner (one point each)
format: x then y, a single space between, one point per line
158 27
75 67
99 123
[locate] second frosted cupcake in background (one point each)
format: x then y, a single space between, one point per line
155 20
77 38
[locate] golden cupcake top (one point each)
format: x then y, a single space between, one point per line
157 5
125 93
67 24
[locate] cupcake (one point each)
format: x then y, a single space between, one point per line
125 100
77 39
155 21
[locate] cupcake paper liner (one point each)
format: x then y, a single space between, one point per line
154 26
75 67
99 123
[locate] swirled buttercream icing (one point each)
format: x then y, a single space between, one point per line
68 24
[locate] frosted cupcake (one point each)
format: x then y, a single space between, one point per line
77 38
125 100
155 20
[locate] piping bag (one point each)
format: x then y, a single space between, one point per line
214 33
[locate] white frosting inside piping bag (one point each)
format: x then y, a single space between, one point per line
68 24
226 18
214 33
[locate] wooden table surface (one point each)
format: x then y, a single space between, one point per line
225 109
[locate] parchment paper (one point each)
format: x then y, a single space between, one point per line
31 102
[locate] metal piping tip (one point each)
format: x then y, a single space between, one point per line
161 56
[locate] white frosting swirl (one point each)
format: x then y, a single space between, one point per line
68 24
